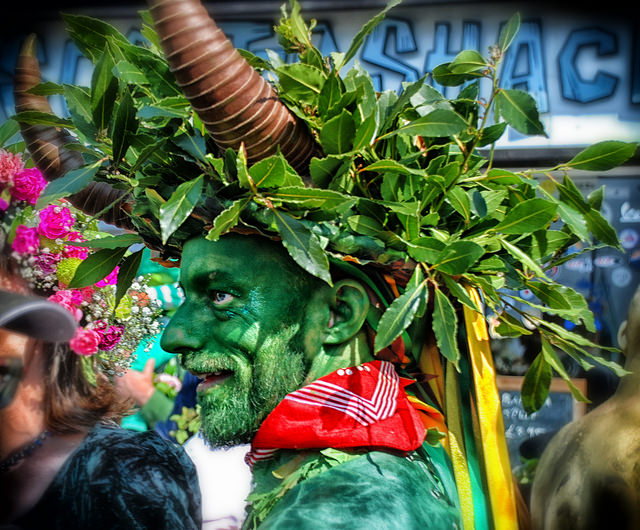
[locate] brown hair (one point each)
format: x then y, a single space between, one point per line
73 403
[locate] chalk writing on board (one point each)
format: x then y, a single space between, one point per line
519 426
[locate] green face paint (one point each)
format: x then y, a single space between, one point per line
242 328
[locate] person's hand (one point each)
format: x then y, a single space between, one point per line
137 385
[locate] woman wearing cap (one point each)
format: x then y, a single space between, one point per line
64 462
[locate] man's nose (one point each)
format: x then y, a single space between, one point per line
182 334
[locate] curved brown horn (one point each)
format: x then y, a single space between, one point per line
46 145
234 102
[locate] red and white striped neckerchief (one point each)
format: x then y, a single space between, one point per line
364 406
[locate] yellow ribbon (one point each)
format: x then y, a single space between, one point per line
494 444
455 437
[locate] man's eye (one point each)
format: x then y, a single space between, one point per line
220 297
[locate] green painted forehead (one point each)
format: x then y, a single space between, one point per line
242 261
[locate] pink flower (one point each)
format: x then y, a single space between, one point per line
4 205
28 185
75 252
55 222
110 337
68 299
110 279
85 341
10 164
26 240
87 293
48 262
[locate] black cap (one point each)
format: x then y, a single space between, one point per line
36 317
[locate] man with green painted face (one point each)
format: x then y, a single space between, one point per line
256 328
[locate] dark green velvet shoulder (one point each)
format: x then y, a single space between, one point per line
375 490
120 479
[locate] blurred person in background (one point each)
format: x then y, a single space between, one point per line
64 461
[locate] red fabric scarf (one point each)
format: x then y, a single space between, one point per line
362 406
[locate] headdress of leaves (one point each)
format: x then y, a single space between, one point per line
404 181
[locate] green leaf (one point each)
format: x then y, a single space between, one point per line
443 75
104 88
127 272
366 30
91 35
310 197
569 193
502 177
457 257
519 110
508 32
301 82
244 179
460 293
35 117
439 123
329 96
268 172
72 182
551 357
119 241
170 107
510 326
399 315
391 166
336 137
468 61
303 246
426 249
528 216
574 221
130 74
194 144
536 384
603 156
459 200
368 226
521 256
601 229
408 92
445 327
48 88
78 101
8 130
479 205
546 242
491 134
323 170
177 209
226 220
96 267
366 132
125 125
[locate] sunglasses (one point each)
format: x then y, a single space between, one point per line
10 374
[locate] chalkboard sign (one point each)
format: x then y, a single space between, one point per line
559 409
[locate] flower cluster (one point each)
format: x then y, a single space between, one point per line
45 247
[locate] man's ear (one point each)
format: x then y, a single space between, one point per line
349 307
622 336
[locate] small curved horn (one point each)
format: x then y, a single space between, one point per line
234 102
46 145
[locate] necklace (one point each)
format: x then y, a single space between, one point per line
26 451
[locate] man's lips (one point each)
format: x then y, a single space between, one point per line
212 379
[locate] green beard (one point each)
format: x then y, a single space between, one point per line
232 412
